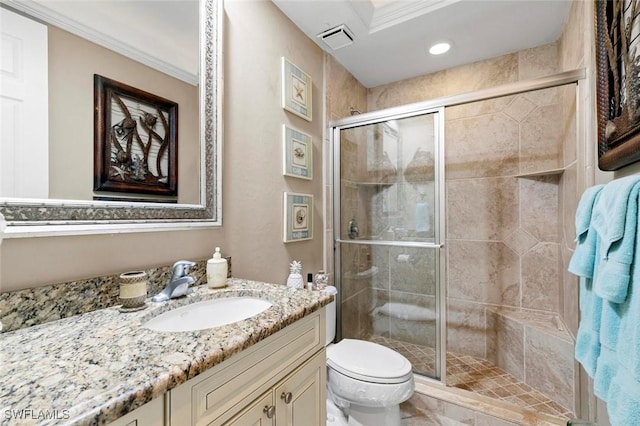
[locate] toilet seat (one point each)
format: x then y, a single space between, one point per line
368 362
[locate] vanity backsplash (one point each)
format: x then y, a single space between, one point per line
33 306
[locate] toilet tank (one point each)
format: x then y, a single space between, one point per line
331 314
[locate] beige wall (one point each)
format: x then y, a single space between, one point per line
72 63
257 36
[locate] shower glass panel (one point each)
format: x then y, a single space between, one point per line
388 230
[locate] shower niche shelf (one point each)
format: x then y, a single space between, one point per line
549 172
374 184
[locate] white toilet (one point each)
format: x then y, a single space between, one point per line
366 382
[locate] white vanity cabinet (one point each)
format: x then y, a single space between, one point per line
278 381
150 414
298 400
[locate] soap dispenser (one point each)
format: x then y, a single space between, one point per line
217 270
423 224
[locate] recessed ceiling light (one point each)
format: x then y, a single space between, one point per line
439 48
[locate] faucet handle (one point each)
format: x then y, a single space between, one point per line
181 268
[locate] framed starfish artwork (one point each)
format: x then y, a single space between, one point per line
135 140
296 90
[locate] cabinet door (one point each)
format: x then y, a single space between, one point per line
150 414
259 413
301 397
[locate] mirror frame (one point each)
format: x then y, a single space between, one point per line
39 217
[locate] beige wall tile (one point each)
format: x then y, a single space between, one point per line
482 75
520 241
540 277
458 415
505 345
418 89
539 207
483 271
466 328
571 43
350 318
520 107
380 268
537 62
379 323
482 209
549 366
569 202
481 147
487 420
413 270
356 317
343 90
421 410
570 310
541 139
419 332
569 127
474 109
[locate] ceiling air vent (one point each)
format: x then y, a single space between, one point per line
337 37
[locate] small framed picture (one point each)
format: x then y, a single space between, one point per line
296 90
297 153
298 217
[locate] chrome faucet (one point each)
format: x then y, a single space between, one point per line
178 283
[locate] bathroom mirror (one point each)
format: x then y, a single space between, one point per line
200 178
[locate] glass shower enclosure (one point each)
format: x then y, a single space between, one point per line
389 231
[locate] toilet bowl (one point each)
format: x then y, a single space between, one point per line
366 382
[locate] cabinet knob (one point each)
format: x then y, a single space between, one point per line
286 397
270 411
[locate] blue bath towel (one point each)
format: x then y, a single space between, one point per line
607 363
582 264
623 403
583 259
588 337
623 395
585 209
616 277
615 218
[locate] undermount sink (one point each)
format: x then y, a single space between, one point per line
208 314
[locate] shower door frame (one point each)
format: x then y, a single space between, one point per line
379 117
438 105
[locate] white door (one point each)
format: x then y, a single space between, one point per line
24 98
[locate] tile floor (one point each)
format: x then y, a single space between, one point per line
478 376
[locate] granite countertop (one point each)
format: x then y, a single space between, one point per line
96 367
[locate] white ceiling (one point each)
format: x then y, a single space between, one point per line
391 37
163 34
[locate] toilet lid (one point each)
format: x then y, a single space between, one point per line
368 362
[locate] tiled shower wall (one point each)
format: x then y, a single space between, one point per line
509 237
